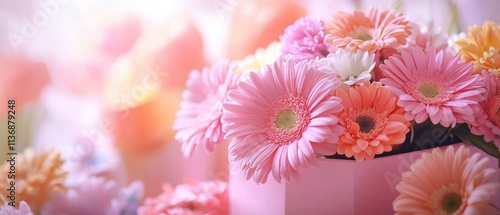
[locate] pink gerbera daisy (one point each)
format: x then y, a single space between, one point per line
369 31
380 56
436 86
204 198
372 121
198 120
449 182
426 37
280 118
304 39
489 118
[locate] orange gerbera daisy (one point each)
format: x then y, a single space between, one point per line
37 177
482 46
369 31
373 122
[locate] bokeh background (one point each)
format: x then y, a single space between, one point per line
101 81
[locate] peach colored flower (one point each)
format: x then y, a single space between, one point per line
38 176
142 129
147 83
482 46
181 51
489 118
446 182
369 31
373 122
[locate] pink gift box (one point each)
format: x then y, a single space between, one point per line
333 187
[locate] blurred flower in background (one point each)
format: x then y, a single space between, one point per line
201 108
22 80
18 69
95 195
257 23
207 197
24 209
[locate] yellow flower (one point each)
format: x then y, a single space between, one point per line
482 46
261 57
37 176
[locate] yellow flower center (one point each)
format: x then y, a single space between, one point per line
428 90
286 120
362 33
365 37
451 202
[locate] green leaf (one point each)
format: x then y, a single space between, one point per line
463 132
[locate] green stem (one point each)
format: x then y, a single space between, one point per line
454 23
397 5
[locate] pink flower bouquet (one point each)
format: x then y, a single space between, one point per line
359 86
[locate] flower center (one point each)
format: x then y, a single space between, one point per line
447 199
366 124
367 120
286 120
361 33
365 37
428 90
451 202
